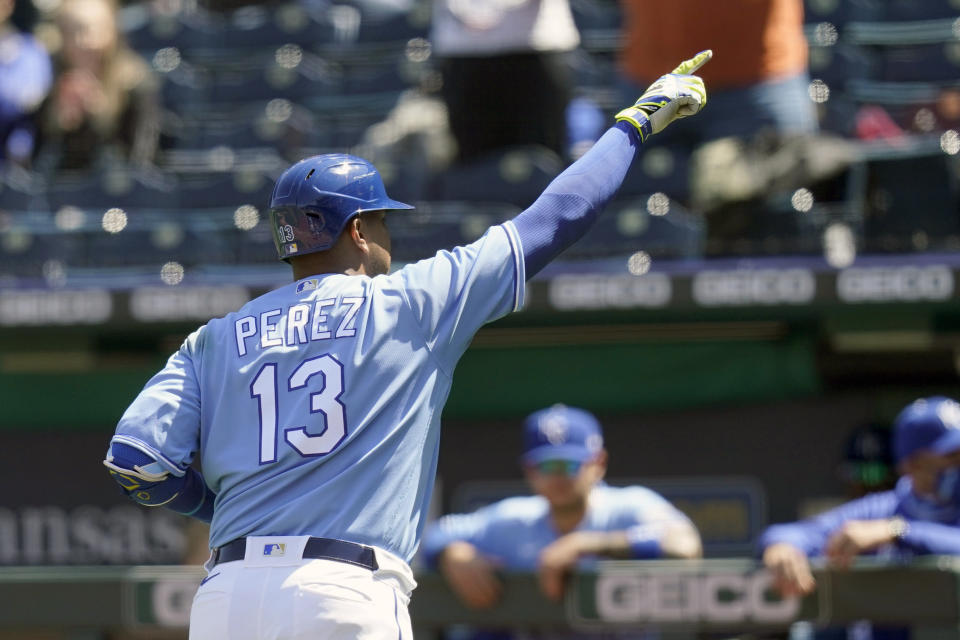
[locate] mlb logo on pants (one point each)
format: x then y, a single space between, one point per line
274 549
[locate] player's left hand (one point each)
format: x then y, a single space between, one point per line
673 96
856 537
556 561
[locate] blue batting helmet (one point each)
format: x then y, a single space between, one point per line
314 199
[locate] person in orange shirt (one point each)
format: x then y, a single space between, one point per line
758 77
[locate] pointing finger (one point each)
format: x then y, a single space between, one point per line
693 64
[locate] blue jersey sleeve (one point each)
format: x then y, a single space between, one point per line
456 292
164 419
811 535
645 515
570 205
931 538
466 527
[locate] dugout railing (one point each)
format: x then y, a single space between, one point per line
679 598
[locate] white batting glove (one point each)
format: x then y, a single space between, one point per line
673 96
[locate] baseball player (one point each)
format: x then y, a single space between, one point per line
315 408
573 518
920 516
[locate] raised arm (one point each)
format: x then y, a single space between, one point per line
571 203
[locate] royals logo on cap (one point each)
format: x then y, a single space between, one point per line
561 433
554 429
949 414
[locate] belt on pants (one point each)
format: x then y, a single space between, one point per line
316 548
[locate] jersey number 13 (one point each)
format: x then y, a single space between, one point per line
324 399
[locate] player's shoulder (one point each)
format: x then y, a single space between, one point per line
631 491
518 509
299 291
500 234
628 497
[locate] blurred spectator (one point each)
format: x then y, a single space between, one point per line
921 516
25 78
574 517
104 105
412 144
758 76
505 78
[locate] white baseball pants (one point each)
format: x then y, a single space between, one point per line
291 598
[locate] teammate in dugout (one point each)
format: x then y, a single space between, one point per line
573 519
315 408
920 516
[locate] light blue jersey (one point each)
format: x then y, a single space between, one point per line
513 532
316 407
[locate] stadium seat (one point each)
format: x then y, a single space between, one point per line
184 88
27 256
904 10
277 123
594 72
924 63
21 191
114 187
148 32
910 51
517 175
224 190
251 247
440 225
393 26
911 196
839 12
839 63
590 15
628 225
913 106
286 23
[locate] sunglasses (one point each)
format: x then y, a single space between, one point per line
564 467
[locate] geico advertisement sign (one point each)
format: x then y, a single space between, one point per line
170 603
715 597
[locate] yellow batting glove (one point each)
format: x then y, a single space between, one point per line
687 67
673 96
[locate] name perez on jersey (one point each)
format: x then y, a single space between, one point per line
302 323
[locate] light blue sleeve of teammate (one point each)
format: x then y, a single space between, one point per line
456 292
467 527
647 514
164 419
931 538
811 535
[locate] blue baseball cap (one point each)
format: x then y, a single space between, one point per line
931 424
561 433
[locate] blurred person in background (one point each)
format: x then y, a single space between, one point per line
104 105
761 79
920 516
506 81
573 518
760 101
761 76
25 78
